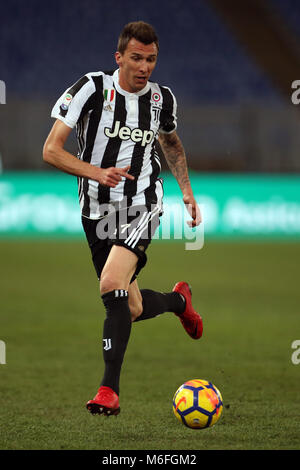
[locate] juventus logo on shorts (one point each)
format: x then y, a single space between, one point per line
107 344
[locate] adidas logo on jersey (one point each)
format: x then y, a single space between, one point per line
125 133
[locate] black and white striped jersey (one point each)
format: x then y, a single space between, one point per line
117 128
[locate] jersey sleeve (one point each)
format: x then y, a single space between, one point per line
69 106
168 118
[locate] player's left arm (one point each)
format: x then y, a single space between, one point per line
175 155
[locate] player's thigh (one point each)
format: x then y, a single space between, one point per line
135 300
118 269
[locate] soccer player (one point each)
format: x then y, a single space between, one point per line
119 117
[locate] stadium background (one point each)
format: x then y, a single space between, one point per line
231 66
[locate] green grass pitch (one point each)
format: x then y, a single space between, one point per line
51 322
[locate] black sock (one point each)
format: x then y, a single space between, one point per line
156 303
116 332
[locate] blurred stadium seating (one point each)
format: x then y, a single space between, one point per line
289 11
48 47
231 116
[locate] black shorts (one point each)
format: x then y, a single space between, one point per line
132 228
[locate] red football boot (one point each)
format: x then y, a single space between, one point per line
190 319
105 402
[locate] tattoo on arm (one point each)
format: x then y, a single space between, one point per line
175 155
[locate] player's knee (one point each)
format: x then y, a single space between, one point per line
136 309
108 284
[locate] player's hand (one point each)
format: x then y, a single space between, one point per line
112 176
193 209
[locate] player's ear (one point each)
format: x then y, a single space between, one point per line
118 57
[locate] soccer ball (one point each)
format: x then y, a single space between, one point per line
198 404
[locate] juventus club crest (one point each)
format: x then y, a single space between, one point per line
155 113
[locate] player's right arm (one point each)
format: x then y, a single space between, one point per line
55 154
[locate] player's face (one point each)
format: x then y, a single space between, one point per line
136 65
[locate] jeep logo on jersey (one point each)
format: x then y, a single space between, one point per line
125 133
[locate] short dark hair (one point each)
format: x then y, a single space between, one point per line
138 30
